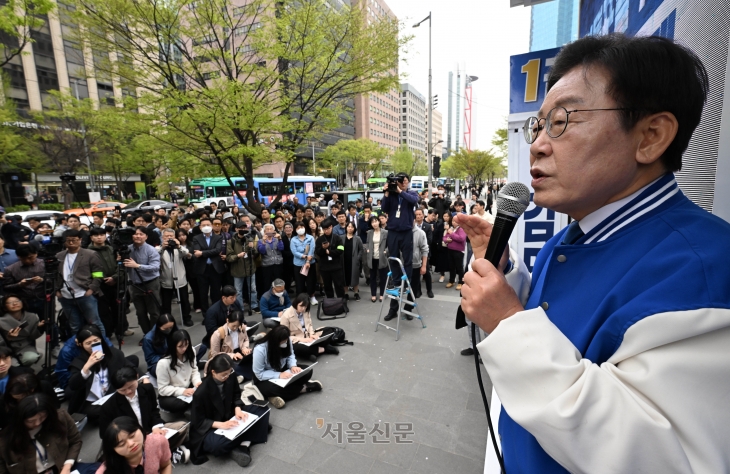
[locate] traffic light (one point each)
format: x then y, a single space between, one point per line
436 166
435 102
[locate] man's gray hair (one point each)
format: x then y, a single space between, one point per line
266 226
167 230
277 282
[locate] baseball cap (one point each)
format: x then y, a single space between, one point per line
157 207
321 196
310 195
240 225
227 215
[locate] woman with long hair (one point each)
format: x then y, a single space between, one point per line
273 358
41 439
352 258
232 339
217 405
154 344
177 373
91 371
20 329
376 255
127 450
299 321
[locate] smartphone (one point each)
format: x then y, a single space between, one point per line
97 348
23 324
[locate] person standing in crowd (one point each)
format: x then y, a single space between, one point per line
363 225
274 359
218 313
376 258
143 267
79 277
7 255
173 278
91 370
25 279
126 449
220 228
329 249
272 262
420 264
422 224
215 402
107 300
154 344
339 228
241 255
177 373
208 265
41 439
352 258
439 201
481 211
20 329
185 239
439 254
455 240
305 271
299 322
75 224
288 269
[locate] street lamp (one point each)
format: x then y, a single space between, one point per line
430 104
83 135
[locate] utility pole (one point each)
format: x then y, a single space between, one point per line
83 136
429 137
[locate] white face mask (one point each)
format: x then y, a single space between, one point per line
284 345
207 229
280 293
301 231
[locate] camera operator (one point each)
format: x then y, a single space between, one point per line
173 278
400 205
107 301
144 274
241 253
439 202
79 277
25 278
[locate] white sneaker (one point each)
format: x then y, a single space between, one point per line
313 301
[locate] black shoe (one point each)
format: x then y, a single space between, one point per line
467 352
330 349
314 386
241 455
409 317
389 316
312 358
188 323
357 296
347 297
430 294
270 427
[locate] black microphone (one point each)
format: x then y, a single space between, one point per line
512 201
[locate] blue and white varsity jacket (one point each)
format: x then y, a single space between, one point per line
620 362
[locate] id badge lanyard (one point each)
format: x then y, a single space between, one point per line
400 201
42 453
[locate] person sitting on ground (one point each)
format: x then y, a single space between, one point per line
41 439
177 373
20 329
139 400
127 450
232 339
91 372
215 404
154 344
66 355
218 313
299 322
274 302
273 358
20 386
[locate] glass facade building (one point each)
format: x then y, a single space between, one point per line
554 24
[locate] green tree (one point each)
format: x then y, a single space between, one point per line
368 155
405 161
238 87
17 19
475 166
18 153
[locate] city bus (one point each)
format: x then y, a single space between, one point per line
376 183
218 190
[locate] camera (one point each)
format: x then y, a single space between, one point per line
121 240
172 245
50 246
393 183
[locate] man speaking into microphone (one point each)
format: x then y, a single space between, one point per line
613 355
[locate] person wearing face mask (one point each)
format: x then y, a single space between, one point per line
273 303
274 359
241 254
299 322
217 314
272 262
209 267
288 266
173 277
215 404
154 344
305 272
232 339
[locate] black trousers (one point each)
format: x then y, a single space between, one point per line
270 273
376 273
303 352
400 245
169 293
333 277
290 392
306 284
209 281
107 304
288 274
218 445
456 266
173 404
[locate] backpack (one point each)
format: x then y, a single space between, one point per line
338 336
332 307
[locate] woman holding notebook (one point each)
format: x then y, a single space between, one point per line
303 334
273 363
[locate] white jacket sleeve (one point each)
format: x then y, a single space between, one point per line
659 404
164 382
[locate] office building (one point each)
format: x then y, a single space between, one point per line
436 133
413 120
553 24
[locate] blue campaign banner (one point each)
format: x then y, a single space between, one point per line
528 79
600 17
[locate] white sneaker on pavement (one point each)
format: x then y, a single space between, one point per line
313 301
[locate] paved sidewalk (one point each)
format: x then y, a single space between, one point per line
421 380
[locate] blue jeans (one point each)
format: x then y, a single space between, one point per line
239 282
81 311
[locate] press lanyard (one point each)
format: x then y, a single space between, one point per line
43 457
400 201
70 265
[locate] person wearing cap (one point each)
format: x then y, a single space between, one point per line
160 211
329 247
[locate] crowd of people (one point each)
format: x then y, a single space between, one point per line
234 264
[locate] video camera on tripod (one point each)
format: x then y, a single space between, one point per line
121 239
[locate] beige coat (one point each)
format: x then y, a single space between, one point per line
290 319
219 344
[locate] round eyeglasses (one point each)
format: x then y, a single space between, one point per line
555 122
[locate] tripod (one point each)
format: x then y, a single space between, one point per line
121 299
49 313
174 281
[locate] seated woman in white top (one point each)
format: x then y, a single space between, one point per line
299 322
231 339
179 378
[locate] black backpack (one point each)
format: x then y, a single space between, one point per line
332 307
338 336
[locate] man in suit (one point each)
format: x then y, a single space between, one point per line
363 226
139 402
427 228
208 266
218 313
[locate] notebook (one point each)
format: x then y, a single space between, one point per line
242 426
285 382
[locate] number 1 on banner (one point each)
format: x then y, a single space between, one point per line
532 69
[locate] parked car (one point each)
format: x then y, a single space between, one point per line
47 217
99 206
147 205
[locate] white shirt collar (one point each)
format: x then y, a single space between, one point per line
589 222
